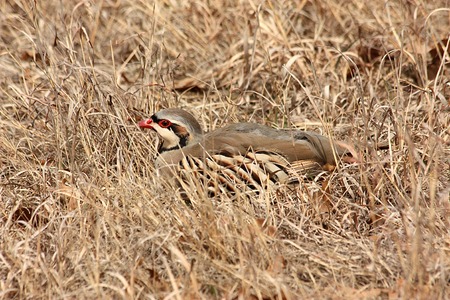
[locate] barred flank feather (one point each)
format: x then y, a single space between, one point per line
249 173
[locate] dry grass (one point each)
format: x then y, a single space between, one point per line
83 215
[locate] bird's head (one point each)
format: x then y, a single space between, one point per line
176 127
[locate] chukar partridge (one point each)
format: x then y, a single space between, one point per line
236 157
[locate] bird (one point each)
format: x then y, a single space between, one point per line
239 157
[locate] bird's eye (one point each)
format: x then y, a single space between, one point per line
164 123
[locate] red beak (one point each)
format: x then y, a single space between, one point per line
146 123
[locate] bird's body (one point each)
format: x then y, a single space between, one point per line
238 155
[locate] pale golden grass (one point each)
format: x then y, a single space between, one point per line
84 216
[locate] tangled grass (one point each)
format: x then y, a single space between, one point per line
85 216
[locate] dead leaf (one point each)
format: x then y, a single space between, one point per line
437 54
277 265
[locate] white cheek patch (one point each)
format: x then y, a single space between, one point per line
170 138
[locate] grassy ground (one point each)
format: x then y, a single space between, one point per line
84 216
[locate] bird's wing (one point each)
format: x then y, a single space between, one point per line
241 138
292 144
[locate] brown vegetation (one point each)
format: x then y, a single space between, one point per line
83 214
